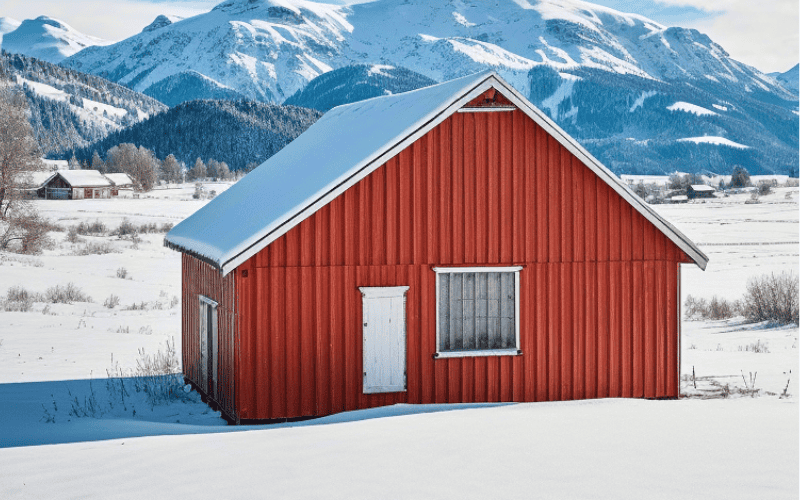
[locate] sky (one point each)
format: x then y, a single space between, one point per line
763 34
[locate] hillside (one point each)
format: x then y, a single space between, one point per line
356 83
71 109
637 125
236 132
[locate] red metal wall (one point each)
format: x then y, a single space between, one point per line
200 278
598 295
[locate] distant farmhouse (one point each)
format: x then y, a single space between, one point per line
75 185
119 181
699 191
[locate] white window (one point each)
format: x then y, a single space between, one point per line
477 311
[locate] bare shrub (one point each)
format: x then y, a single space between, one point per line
112 301
19 299
758 346
166 227
122 273
96 228
716 309
18 293
141 306
772 298
66 294
764 188
16 306
126 228
792 182
73 236
92 248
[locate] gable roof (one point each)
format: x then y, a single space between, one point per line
348 143
84 178
35 179
119 179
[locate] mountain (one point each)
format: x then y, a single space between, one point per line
7 25
264 50
70 109
236 132
47 39
188 86
790 78
356 83
270 49
645 126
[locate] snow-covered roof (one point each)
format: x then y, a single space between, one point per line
119 179
344 146
702 187
35 180
84 178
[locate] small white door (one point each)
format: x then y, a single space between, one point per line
384 310
208 346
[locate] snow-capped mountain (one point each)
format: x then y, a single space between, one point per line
161 21
47 39
789 79
269 49
68 110
7 25
611 79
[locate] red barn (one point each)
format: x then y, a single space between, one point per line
446 245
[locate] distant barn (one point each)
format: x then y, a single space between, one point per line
446 245
75 185
119 181
700 191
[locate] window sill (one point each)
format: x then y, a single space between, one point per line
474 354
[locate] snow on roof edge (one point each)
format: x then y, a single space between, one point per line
221 260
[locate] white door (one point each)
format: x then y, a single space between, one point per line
208 346
384 311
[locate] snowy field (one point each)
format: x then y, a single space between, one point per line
72 427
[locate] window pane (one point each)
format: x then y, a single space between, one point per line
509 337
468 306
476 311
444 311
481 311
456 313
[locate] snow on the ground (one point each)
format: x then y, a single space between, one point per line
718 449
741 240
55 362
690 108
714 140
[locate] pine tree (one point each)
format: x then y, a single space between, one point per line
97 163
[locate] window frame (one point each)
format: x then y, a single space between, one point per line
517 351
212 344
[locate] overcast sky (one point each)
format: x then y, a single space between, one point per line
761 33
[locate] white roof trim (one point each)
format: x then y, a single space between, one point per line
416 130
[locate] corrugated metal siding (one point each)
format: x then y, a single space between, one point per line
598 289
201 279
